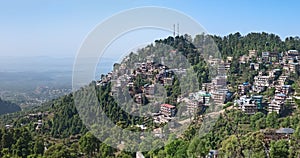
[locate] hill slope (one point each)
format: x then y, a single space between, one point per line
8 107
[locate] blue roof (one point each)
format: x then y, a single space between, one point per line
245 83
265 53
229 94
206 95
280 95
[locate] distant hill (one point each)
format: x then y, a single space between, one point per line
8 107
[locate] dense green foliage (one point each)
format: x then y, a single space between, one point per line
66 120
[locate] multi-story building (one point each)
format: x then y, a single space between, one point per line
258 100
168 110
219 81
280 97
207 87
249 108
274 57
276 106
293 53
222 69
286 89
218 97
247 105
265 56
294 67
261 82
194 106
281 80
206 98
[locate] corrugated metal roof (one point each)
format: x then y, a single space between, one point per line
285 130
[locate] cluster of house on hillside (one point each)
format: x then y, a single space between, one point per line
149 71
33 117
158 74
287 63
218 87
251 98
152 74
251 95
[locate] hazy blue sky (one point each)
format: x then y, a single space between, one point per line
57 28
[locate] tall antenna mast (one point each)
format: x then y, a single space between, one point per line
174 30
177 29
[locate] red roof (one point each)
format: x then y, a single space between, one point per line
168 106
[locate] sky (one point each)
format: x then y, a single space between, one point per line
58 28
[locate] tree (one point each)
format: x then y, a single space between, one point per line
254 144
7 139
230 147
59 151
124 155
261 123
271 120
279 149
22 146
294 150
174 147
285 122
38 148
254 118
89 144
106 151
198 147
5 153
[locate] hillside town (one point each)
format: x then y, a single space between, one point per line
270 91
248 97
